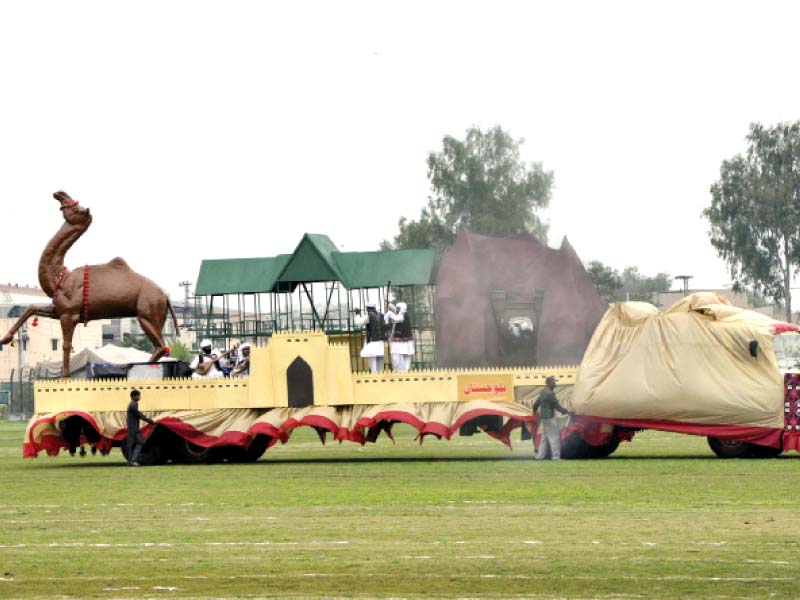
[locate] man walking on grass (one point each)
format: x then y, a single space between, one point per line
546 404
134 435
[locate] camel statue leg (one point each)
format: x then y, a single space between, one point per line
154 334
67 329
39 311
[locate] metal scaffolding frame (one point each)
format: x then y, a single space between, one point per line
320 306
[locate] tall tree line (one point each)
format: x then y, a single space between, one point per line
755 212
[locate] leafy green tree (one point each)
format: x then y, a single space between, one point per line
605 279
629 285
755 212
140 342
482 184
636 286
179 351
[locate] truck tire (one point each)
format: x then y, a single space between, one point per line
765 451
729 448
185 452
573 447
237 454
604 450
175 448
151 454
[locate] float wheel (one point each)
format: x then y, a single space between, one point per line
765 451
729 448
574 447
185 452
605 450
151 454
237 454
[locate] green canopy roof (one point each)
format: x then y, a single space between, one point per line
315 259
239 275
375 269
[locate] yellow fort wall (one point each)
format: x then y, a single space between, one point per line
267 387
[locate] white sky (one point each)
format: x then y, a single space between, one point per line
228 129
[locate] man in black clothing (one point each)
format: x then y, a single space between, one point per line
134 436
374 349
547 404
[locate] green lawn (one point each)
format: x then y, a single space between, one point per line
661 518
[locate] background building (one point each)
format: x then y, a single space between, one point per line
34 344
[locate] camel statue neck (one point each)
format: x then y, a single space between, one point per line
53 256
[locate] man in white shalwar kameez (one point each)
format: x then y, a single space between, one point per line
401 344
373 350
391 319
208 354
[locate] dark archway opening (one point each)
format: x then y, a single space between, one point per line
300 381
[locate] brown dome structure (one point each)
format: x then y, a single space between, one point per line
513 301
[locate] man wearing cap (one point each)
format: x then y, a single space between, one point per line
546 404
242 367
134 435
373 349
207 354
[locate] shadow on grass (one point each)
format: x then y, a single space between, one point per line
411 460
299 461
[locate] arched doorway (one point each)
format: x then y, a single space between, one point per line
300 381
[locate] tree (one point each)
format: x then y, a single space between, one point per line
140 342
605 279
425 232
177 349
755 212
479 183
636 286
630 285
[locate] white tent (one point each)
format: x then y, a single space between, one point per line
108 354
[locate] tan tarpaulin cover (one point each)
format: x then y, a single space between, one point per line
234 426
689 364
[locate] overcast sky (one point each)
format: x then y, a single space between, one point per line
228 129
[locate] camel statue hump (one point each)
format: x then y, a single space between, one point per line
119 263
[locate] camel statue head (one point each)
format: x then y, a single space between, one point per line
74 214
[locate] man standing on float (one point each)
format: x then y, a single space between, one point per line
373 349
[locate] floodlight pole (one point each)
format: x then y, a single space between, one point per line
685 279
185 285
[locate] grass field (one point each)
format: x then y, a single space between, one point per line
469 518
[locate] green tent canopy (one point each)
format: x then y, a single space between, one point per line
315 259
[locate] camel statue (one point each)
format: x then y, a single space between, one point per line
108 291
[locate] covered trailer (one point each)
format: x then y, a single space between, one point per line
701 367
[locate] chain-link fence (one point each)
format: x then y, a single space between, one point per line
16 397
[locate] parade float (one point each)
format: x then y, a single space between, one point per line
297 312
491 321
